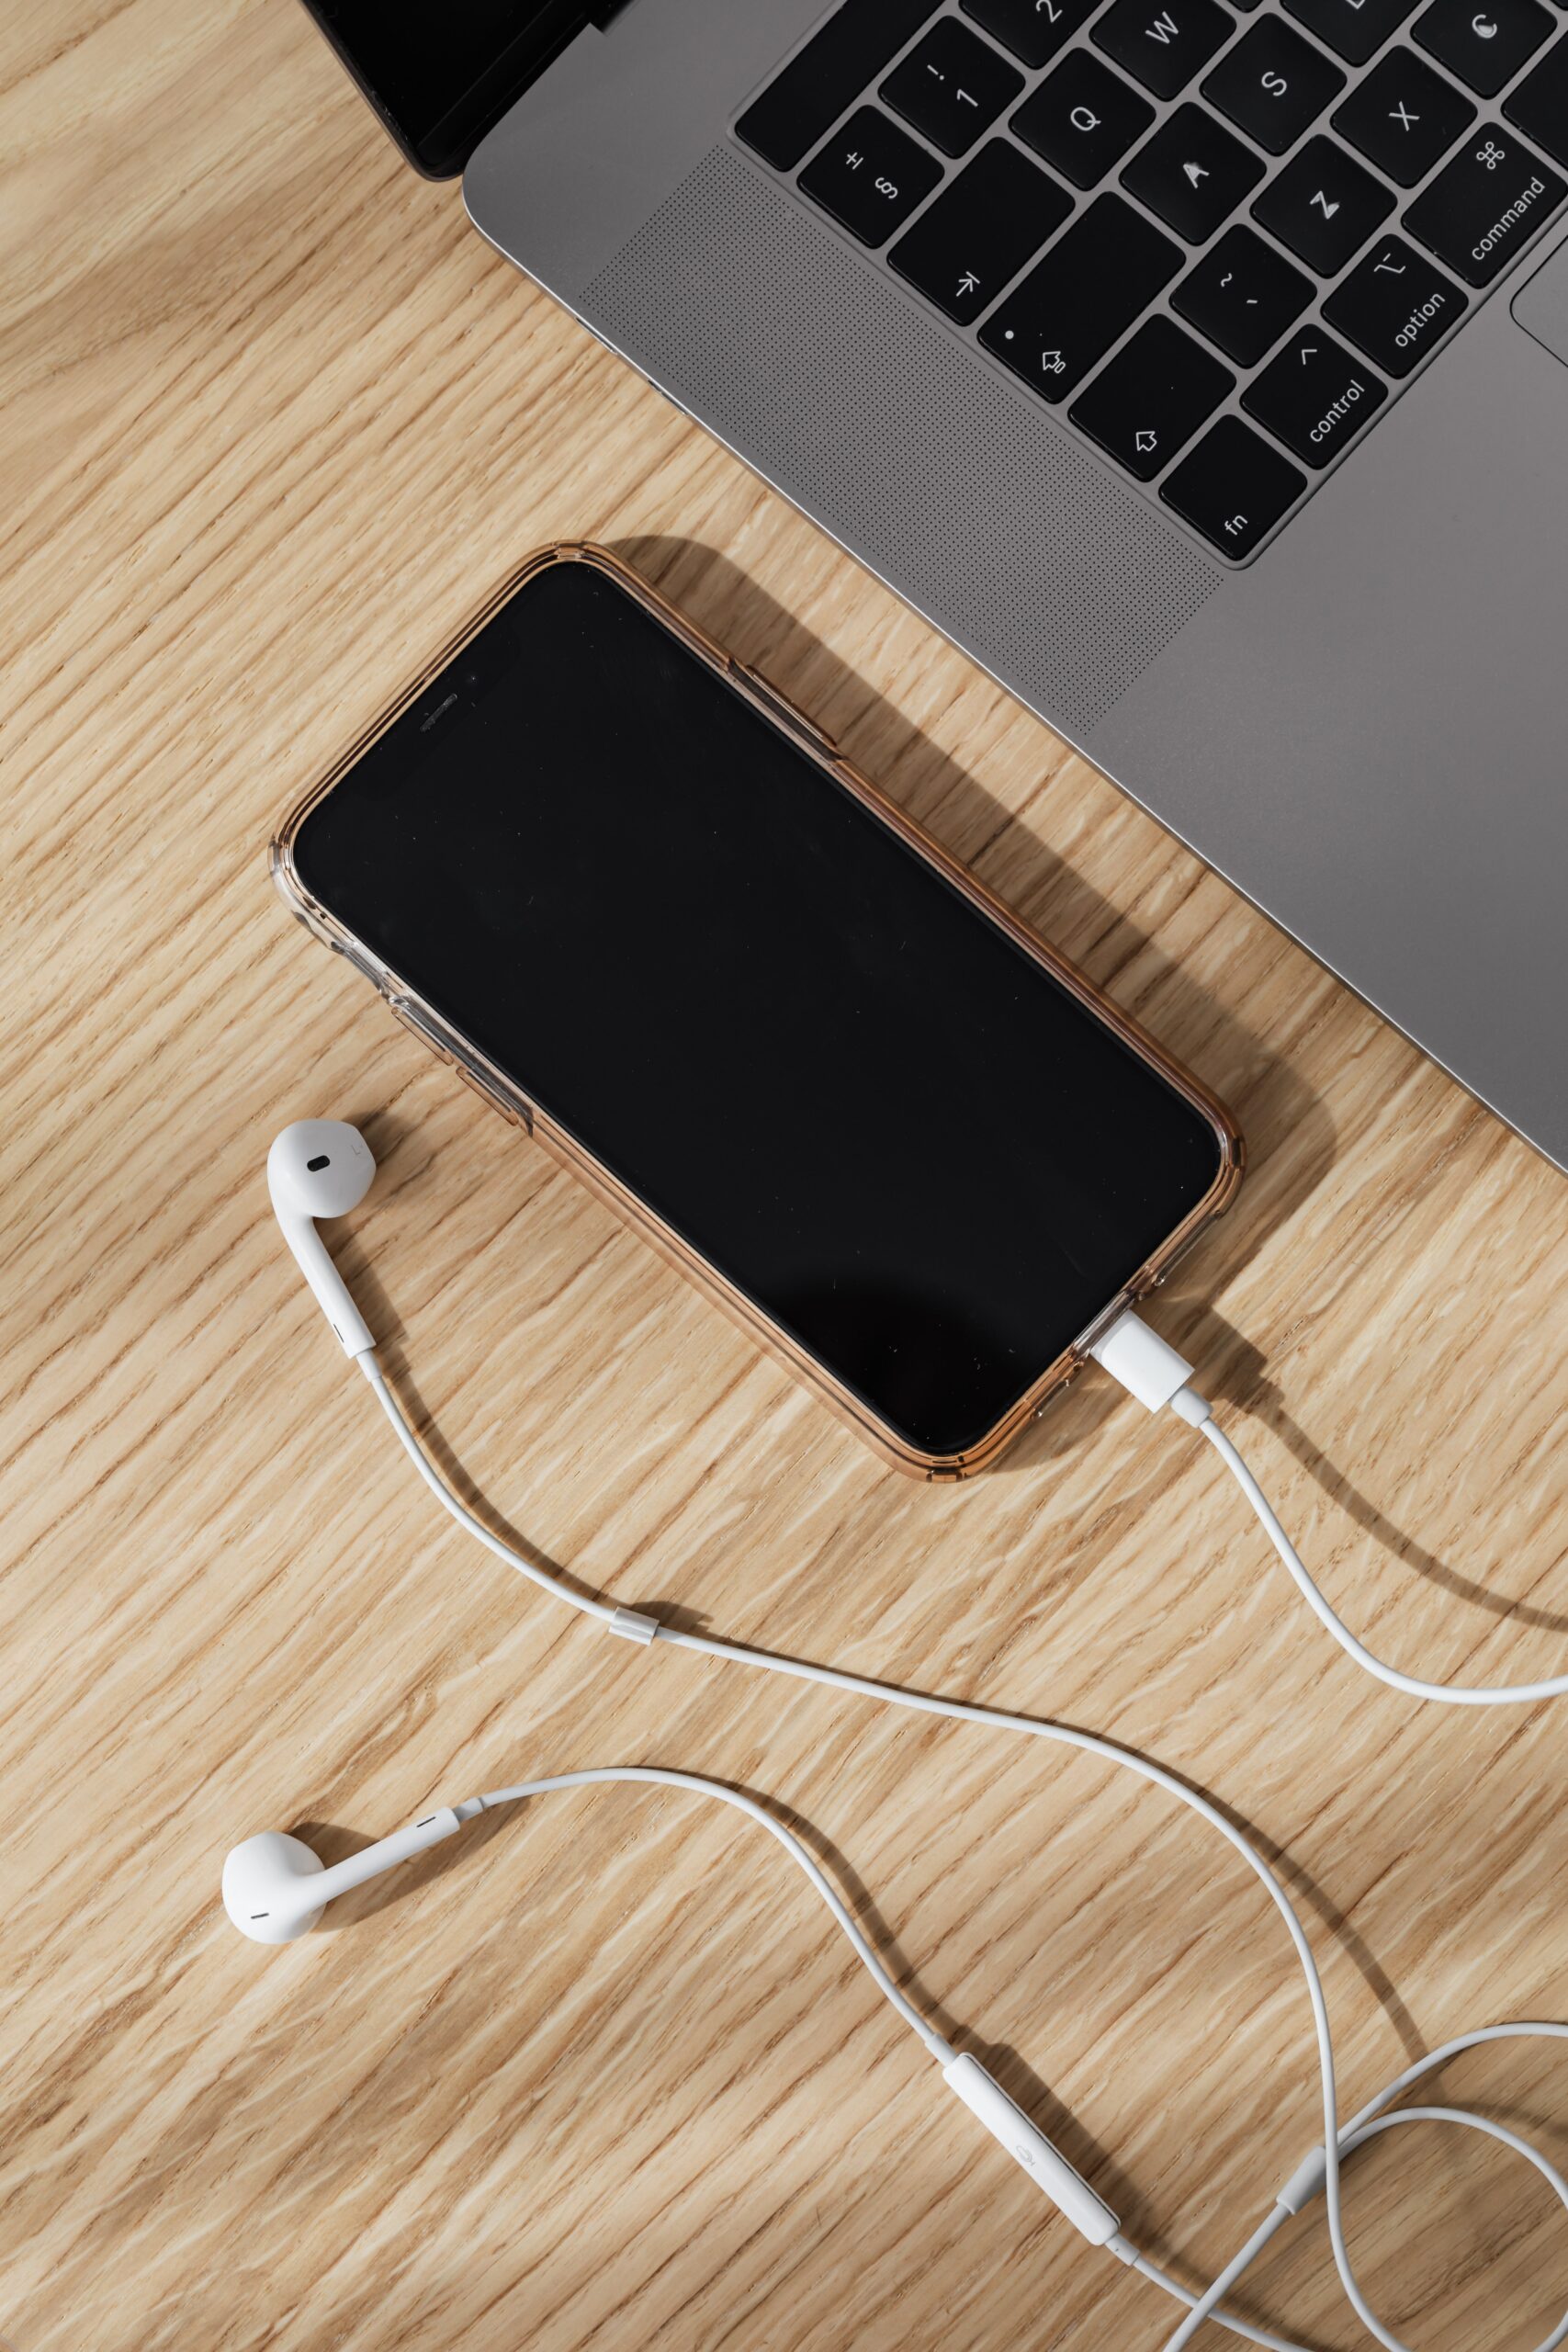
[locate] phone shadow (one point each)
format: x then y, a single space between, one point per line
1287 1127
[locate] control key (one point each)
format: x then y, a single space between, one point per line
1313 395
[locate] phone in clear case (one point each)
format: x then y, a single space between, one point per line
642 905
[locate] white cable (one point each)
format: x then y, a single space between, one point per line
1150 1369
648 1629
865 1953
463 1517
1204 2307
1454 1694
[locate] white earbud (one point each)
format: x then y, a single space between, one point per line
322 1168
275 1888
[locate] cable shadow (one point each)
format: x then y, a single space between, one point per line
427 1429
1015 2073
336 1844
1230 1355
1236 1371
1284 1121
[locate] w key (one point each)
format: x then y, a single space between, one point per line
1162 42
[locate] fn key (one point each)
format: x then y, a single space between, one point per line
1233 487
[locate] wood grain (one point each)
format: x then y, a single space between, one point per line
602 2074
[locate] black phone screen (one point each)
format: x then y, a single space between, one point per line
774 1021
439 77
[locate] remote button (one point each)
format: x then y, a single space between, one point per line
870 175
1162 43
1151 400
1233 487
1539 104
1273 84
1315 396
1352 29
1394 305
980 231
1485 205
1083 118
1193 172
1073 305
1243 296
952 87
1484 46
1323 206
822 79
1033 30
1403 117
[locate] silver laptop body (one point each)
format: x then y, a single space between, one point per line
1359 718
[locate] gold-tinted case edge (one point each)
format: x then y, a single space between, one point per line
502 1093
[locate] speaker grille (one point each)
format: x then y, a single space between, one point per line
959 490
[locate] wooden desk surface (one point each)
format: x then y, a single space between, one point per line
605 2074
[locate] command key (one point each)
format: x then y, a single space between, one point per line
1485 206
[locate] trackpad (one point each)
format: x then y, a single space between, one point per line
1541 305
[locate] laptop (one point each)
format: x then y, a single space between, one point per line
1199 367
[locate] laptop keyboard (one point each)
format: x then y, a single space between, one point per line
1219 239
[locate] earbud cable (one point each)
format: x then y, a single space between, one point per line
1452 1694
865 1953
1323 2169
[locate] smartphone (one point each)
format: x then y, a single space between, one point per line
640 902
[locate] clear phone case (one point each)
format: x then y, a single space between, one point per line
502 1093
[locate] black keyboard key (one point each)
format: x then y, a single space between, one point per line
1162 43
870 175
952 87
1353 28
1314 395
980 231
826 75
1539 104
1484 46
1151 400
1403 117
1083 118
1073 305
1243 296
1394 306
1486 205
1233 487
1033 30
1323 206
1273 84
1192 172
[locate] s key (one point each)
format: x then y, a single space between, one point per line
1273 84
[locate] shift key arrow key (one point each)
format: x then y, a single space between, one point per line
1086 291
